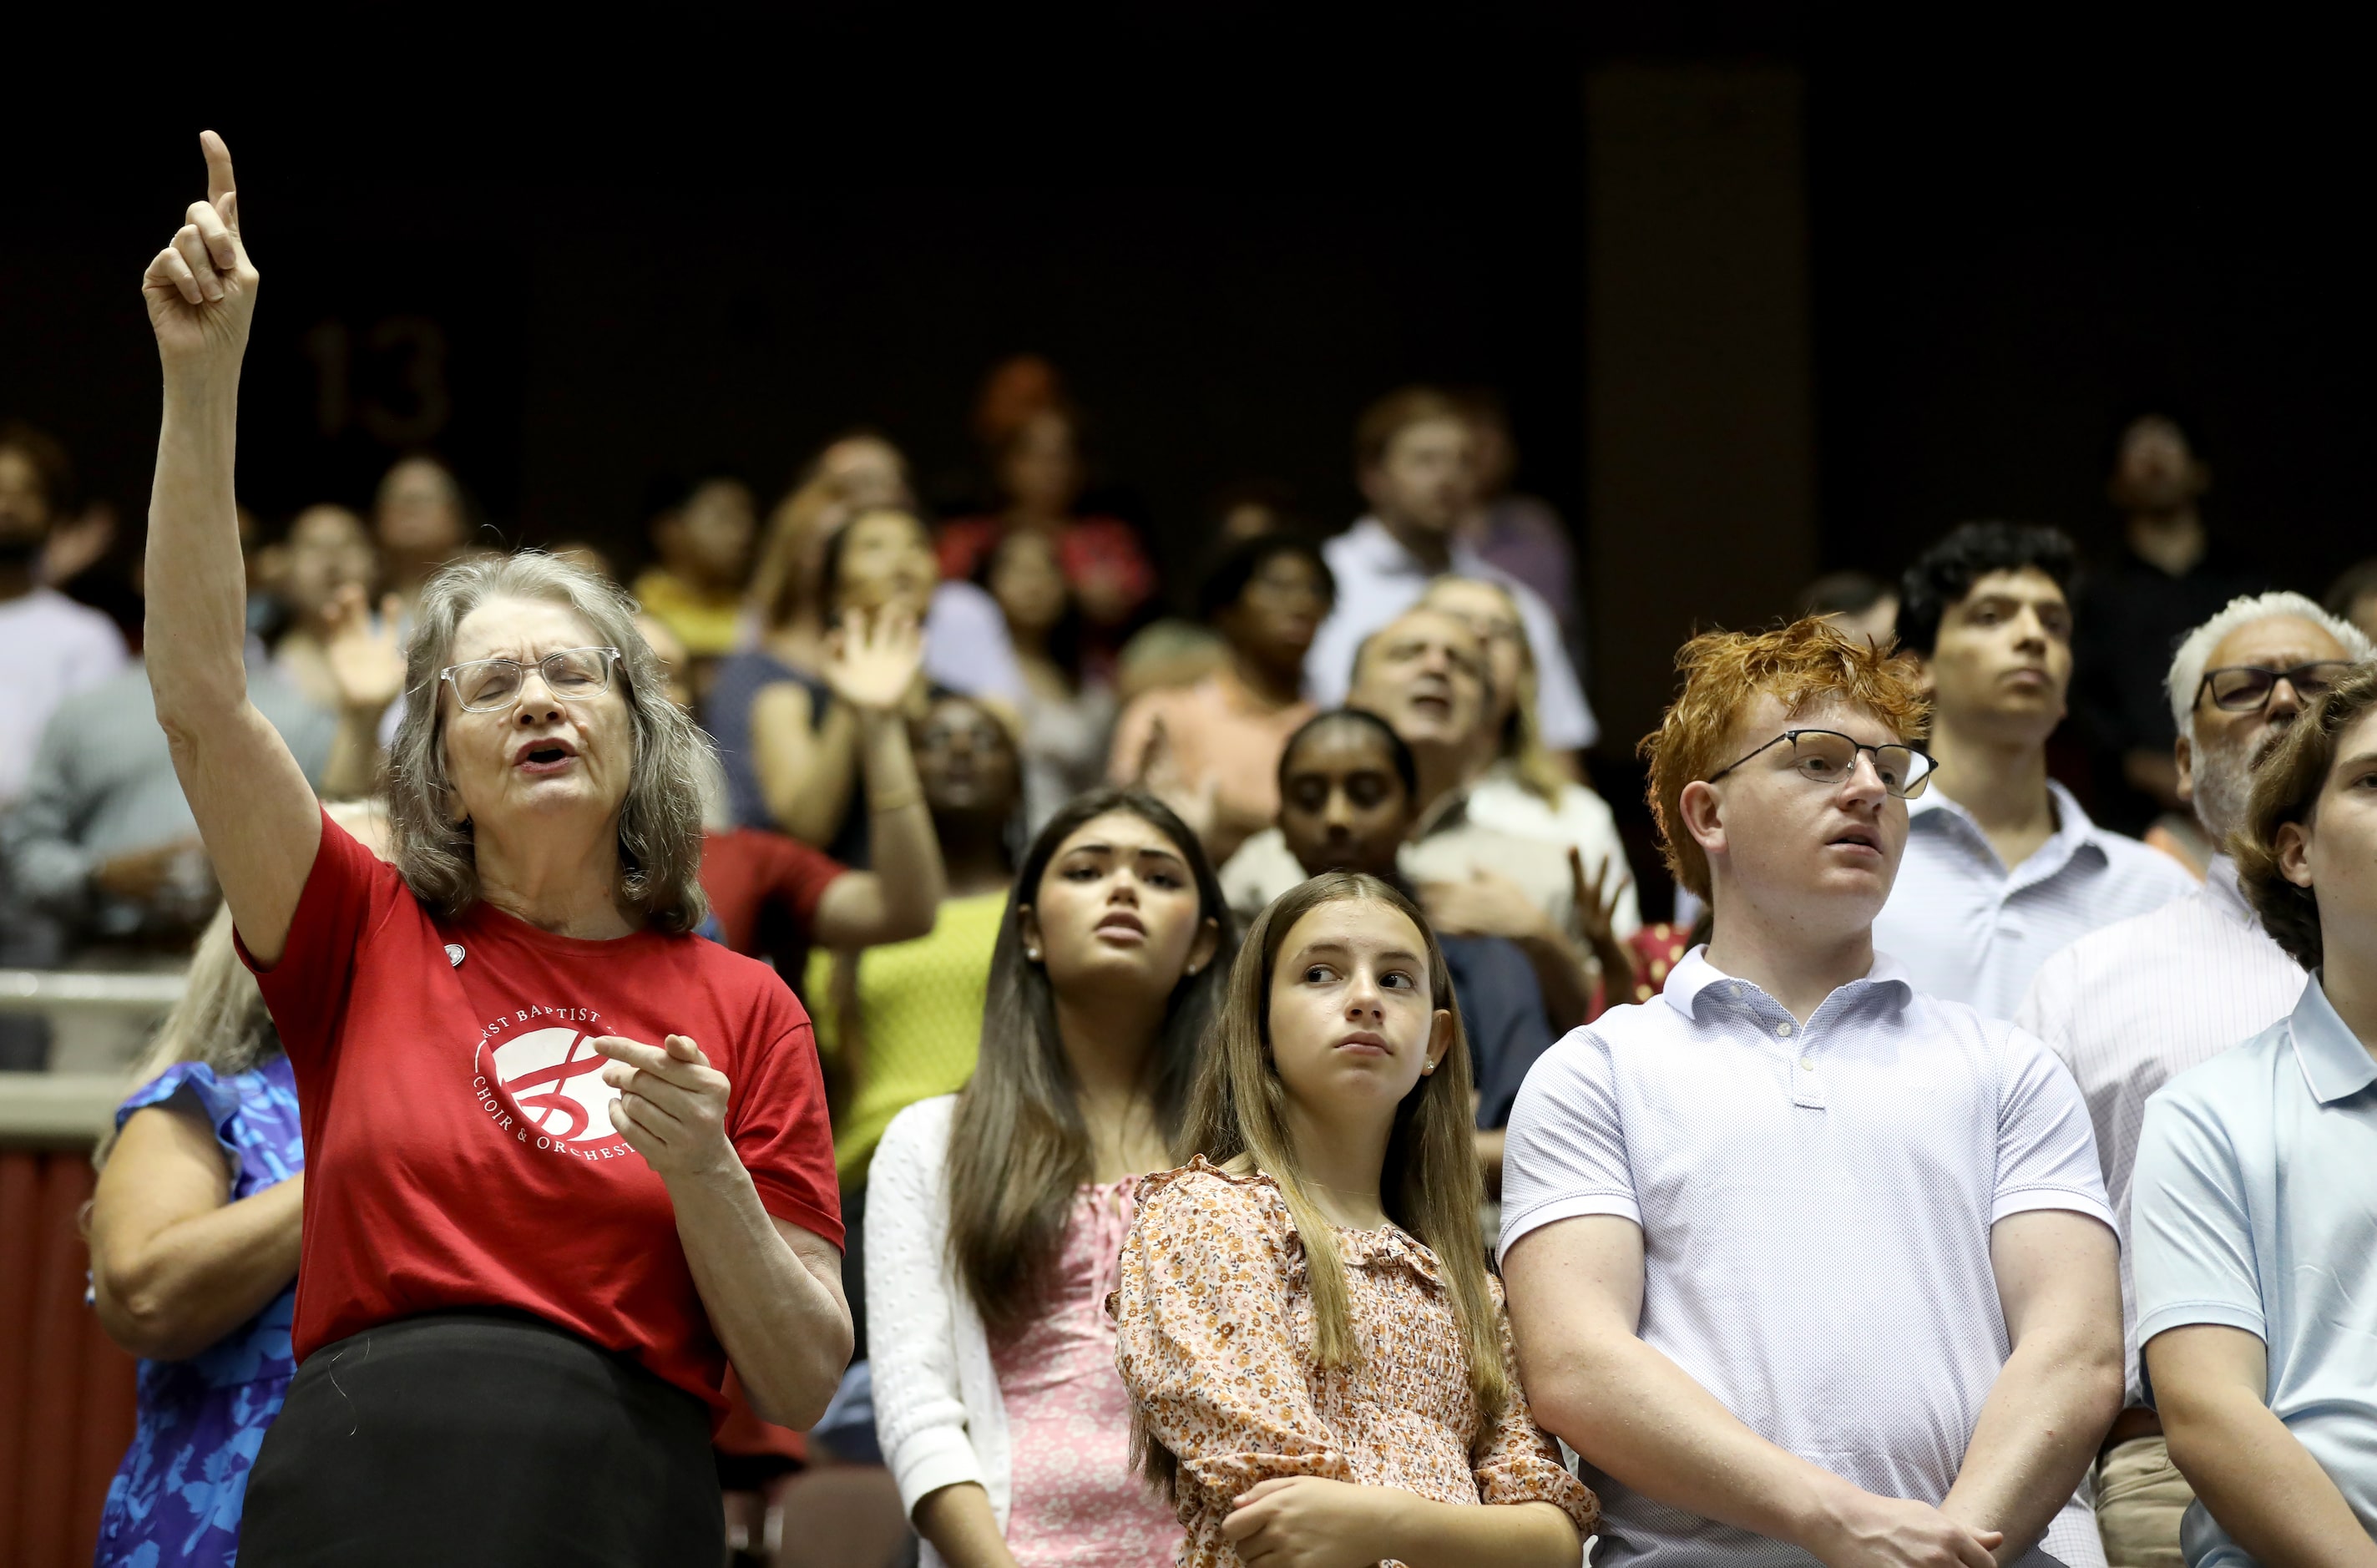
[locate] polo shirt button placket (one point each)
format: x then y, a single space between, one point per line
1806 1086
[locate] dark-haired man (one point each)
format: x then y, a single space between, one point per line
50 646
2256 1278
2002 868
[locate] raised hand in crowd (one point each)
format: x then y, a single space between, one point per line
366 666
873 661
1596 912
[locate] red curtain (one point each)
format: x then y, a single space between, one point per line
65 1390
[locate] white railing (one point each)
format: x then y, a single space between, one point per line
56 990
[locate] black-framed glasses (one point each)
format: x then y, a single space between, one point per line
2246 689
1827 757
484 685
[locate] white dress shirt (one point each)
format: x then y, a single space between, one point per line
1816 1206
2144 998
1378 580
1969 931
51 647
1583 818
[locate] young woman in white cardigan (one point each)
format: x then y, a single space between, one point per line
996 1216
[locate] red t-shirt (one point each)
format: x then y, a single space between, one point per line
458 1152
745 869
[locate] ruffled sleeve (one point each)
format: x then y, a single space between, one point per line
253 1116
1517 1461
1204 1337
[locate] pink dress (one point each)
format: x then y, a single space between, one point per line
1077 1504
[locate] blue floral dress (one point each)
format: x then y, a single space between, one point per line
176 1499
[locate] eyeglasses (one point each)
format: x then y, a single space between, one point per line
1827 757
484 685
2246 689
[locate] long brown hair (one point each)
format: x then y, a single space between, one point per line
1429 1185
1017 1147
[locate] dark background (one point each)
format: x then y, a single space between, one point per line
569 266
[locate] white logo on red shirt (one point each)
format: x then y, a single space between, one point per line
545 1087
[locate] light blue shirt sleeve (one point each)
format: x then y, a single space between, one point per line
1565 1153
2190 1223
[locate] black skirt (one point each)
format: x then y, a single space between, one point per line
465 1438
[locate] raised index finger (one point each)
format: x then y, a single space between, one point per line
220 181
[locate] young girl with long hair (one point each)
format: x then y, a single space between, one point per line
1319 1363
995 1217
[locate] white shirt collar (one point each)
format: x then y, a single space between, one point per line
2223 893
2073 829
1372 548
1693 974
2335 1064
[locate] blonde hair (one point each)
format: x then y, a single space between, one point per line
1430 1184
1521 743
1724 672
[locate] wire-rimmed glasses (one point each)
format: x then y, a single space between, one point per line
1827 757
484 685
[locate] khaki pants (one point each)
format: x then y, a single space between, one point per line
2140 1498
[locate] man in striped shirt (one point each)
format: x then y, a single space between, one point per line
2128 1006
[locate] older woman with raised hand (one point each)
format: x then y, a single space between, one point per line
565 1160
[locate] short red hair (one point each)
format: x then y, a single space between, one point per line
1723 673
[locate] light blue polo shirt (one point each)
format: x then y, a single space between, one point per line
2254 1204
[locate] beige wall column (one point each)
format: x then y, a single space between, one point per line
1700 434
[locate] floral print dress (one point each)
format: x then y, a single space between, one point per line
1215 1336
176 1499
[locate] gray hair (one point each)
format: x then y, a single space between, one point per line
660 821
2187 666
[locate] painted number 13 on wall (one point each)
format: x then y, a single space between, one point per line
390 379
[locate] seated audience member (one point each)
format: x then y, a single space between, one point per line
193 1234
420 521
2256 1274
1861 603
702 535
2128 1006
2169 575
102 838
1067 711
1213 747
771 896
791 736
326 550
1178 650
1426 675
1348 794
900 1020
1318 1362
1516 534
1517 786
1037 466
1802 1260
2353 597
1415 463
50 647
997 1215
2002 866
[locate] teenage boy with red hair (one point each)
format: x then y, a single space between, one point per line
1807 1265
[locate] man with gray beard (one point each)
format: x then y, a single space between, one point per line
2129 1006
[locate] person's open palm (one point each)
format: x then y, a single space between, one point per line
872 663
201 287
366 661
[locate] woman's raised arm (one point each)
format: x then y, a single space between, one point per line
257 815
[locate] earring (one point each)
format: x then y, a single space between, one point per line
1032 954
1428 1069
